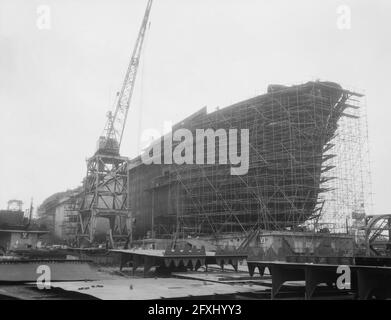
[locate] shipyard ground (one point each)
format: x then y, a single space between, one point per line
124 285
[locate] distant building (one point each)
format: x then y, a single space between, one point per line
12 218
56 216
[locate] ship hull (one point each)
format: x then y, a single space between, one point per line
290 135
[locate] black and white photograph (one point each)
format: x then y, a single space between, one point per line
211 151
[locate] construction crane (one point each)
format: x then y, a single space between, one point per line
105 188
110 142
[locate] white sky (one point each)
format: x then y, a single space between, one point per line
57 85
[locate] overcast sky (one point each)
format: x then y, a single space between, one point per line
57 84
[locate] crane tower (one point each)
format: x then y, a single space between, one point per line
105 186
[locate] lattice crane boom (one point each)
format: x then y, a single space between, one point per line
110 142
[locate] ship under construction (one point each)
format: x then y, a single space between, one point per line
294 162
291 132
190 221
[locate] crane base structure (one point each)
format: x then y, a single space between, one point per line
104 194
104 197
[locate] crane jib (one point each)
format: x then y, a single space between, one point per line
110 142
